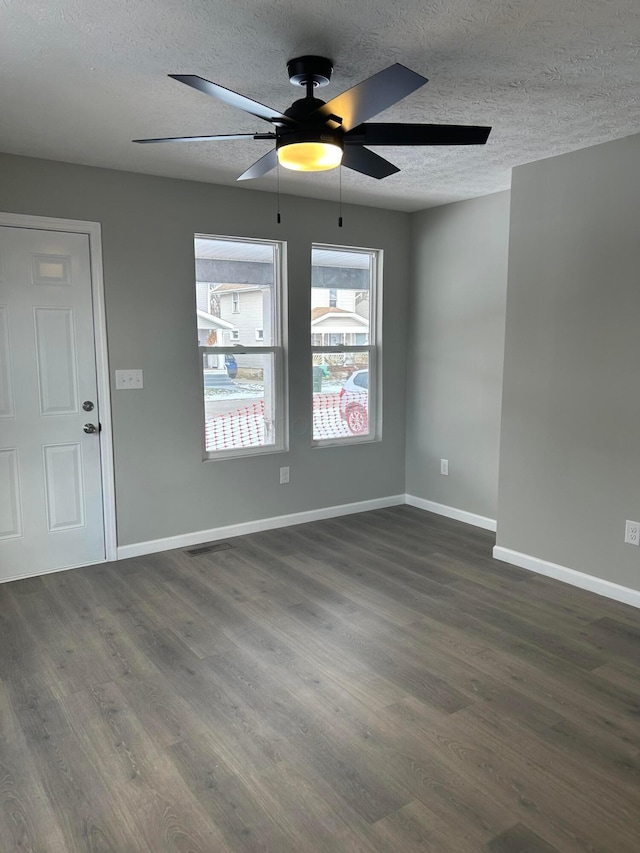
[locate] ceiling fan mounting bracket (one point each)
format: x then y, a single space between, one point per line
314 70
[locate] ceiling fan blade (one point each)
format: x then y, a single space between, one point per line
372 96
220 136
417 134
261 167
233 99
362 160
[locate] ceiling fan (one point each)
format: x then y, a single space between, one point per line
312 136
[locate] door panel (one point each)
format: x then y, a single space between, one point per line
63 486
51 269
51 513
6 386
10 504
56 349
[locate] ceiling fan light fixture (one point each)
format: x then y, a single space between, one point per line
309 153
310 156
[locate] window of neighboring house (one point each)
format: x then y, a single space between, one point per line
346 344
243 373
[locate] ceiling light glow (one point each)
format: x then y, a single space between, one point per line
310 156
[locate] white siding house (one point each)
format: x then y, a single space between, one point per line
335 327
243 306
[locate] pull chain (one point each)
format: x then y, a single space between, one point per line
278 179
340 197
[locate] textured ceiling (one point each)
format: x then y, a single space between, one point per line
79 79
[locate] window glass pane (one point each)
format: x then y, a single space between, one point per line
340 297
340 395
235 292
239 400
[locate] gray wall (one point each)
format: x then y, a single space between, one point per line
570 451
457 311
163 487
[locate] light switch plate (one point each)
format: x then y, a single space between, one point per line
131 379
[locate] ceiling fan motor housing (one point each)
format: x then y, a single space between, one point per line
302 109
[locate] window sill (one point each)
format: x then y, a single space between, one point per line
345 442
218 455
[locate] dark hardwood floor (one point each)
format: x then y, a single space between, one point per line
371 683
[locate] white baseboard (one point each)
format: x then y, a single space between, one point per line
589 582
187 540
452 512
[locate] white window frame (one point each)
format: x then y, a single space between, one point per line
277 349
260 334
374 348
235 302
234 335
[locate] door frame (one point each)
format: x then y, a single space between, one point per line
94 232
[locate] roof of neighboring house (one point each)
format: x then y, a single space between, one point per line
210 321
321 310
219 288
320 314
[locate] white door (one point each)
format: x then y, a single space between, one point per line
51 504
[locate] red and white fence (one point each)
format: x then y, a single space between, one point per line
244 427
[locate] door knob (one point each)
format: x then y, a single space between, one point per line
90 428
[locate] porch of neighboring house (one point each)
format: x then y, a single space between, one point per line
332 326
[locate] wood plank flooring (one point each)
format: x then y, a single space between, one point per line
373 683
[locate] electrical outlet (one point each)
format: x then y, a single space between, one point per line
632 532
127 379
444 467
284 476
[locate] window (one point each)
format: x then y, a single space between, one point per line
241 345
345 344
